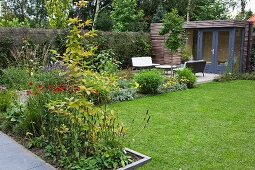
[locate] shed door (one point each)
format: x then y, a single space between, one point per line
215 47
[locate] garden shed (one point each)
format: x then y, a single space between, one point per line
225 45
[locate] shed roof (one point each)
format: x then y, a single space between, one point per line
215 24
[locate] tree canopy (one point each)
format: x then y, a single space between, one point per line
123 12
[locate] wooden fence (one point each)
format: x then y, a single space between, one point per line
160 54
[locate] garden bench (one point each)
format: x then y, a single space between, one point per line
142 63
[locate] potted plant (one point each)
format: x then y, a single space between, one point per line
186 54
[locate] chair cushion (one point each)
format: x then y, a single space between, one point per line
141 61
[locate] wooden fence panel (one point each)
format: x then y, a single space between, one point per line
160 54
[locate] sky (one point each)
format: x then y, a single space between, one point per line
250 6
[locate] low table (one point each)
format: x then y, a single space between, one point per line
166 68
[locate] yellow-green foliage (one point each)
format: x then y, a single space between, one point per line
57 11
90 128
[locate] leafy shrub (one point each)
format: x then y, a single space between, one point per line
36 113
14 23
18 78
104 21
186 53
248 76
6 98
127 74
124 83
15 78
228 76
126 91
125 45
5 51
149 81
48 78
186 76
105 62
141 26
12 117
123 95
236 76
172 84
159 15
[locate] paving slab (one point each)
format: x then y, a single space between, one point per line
14 156
208 77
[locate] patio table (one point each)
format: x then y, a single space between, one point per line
167 68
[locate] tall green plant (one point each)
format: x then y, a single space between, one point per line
92 130
58 11
173 25
124 14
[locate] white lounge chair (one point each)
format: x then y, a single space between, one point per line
142 62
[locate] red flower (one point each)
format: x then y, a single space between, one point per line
64 87
40 86
30 83
54 91
59 89
29 92
78 89
50 87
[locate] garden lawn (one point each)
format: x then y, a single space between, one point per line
209 127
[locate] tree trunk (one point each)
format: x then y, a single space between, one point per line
96 12
171 62
188 10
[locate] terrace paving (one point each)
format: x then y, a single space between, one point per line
207 78
14 156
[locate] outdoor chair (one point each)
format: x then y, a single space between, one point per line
197 66
143 62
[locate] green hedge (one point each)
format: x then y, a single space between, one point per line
5 51
124 44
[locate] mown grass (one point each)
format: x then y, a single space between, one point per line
209 127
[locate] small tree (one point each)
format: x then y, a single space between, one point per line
125 14
58 11
173 25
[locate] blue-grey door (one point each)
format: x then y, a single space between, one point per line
216 47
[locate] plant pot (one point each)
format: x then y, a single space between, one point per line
141 160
